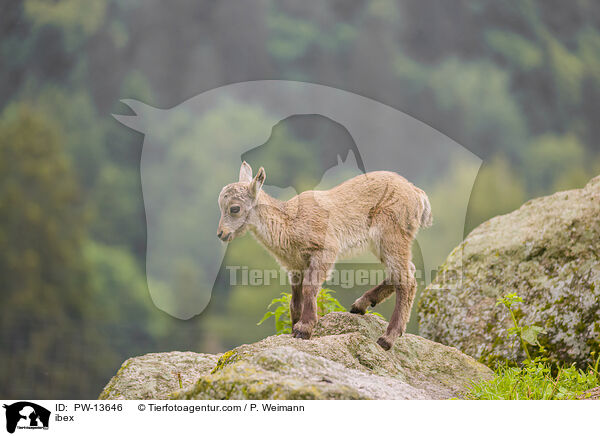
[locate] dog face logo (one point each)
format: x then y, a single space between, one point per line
192 150
26 415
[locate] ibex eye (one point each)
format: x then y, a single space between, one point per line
234 209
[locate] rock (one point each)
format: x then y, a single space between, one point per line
592 394
154 376
341 361
548 252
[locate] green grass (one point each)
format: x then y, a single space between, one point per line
534 381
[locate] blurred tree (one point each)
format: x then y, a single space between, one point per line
478 109
550 158
117 198
45 339
128 319
76 19
82 135
498 189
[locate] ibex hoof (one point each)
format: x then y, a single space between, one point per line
357 309
384 343
301 332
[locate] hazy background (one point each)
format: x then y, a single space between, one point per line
515 82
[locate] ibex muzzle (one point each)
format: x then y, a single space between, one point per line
380 211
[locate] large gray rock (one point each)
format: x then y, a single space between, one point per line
548 252
341 361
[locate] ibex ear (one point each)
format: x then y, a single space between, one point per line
245 172
257 182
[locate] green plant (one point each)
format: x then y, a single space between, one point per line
281 313
326 303
596 364
534 379
526 334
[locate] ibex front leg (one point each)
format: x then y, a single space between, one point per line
314 277
296 302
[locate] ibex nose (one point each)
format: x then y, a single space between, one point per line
220 234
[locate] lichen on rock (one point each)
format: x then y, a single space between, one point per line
548 252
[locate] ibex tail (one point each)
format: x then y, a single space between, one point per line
426 216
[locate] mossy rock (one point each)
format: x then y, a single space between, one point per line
154 376
548 252
341 361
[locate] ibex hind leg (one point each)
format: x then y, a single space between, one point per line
385 250
372 297
406 288
395 253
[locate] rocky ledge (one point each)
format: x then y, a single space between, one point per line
341 361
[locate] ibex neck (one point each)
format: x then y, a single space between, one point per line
270 220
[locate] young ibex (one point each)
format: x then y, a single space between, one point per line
379 210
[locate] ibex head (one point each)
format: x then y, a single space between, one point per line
237 200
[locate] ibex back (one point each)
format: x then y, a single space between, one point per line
380 211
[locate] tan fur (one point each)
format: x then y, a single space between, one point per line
380 211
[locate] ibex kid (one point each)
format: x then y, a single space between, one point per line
379 210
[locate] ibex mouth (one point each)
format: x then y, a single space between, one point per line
227 237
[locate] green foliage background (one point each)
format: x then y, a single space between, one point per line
516 82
